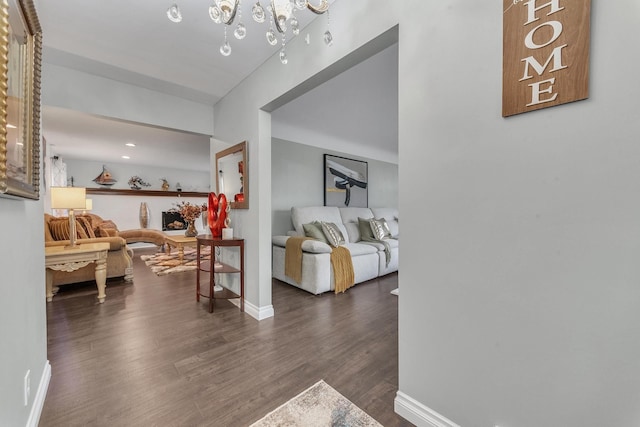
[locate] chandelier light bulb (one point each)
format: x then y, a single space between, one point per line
282 11
173 13
282 24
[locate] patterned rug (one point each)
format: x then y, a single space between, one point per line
319 405
163 264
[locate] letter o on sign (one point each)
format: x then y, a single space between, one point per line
557 30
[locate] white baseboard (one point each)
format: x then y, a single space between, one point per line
258 313
38 400
418 414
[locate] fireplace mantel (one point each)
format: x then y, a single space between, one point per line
125 192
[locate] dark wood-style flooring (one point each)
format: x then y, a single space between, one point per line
153 356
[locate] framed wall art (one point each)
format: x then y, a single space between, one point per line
20 61
345 182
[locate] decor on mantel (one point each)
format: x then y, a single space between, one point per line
190 213
165 184
105 177
217 213
281 15
136 183
151 193
144 215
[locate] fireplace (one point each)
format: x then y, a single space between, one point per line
172 220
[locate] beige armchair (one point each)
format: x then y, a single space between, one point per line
90 228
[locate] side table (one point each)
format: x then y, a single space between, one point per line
61 258
216 267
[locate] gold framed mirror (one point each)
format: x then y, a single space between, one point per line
232 175
20 61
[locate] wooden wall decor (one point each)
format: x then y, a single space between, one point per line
545 53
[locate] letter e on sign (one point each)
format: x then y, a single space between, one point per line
545 53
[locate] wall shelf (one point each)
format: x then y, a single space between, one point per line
125 192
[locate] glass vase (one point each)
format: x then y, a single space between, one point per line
191 229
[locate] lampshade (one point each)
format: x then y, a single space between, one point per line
89 205
68 197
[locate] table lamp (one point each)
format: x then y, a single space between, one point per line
69 198
88 206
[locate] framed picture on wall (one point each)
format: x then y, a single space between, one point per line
20 60
345 182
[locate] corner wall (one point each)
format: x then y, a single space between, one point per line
519 287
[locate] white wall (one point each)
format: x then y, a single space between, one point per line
519 285
79 91
23 328
298 180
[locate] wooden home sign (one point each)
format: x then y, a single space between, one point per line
545 53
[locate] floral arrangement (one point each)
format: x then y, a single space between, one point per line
136 183
190 212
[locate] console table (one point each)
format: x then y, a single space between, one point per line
215 267
65 258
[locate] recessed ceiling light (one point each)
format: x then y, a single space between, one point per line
126 157
130 144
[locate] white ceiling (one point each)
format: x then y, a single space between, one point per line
134 42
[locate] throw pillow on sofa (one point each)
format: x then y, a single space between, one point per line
380 228
364 225
59 228
333 234
314 230
85 223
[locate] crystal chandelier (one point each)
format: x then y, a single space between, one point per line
281 15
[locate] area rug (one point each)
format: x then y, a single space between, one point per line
319 405
163 264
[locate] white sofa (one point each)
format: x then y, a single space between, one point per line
369 258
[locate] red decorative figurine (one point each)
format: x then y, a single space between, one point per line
217 213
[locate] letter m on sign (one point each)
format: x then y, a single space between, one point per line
545 53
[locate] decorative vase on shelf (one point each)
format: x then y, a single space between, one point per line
191 229
144 215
